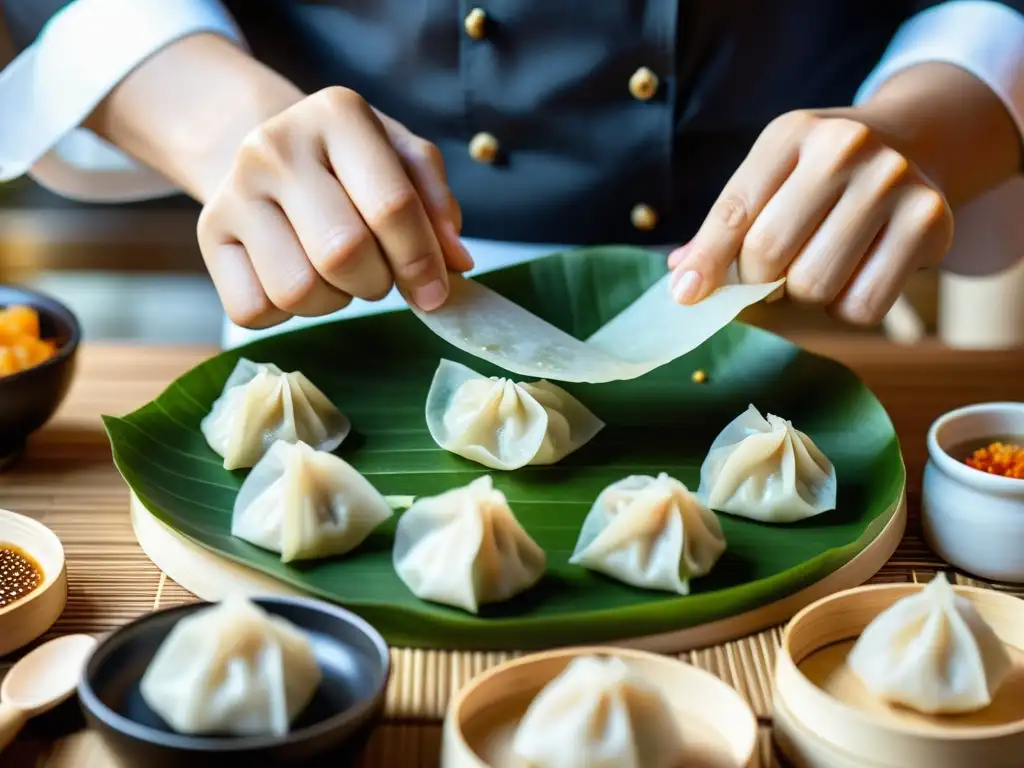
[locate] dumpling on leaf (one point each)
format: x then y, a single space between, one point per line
232 669
261 404
466 548
650 532
503 424
766 470
306 504
933 652
599 714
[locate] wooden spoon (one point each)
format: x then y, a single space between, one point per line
39 682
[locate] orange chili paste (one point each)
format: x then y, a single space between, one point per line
1006 459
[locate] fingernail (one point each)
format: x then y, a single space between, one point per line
430 296
685 286
678 255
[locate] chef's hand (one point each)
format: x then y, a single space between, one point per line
822 201
329 200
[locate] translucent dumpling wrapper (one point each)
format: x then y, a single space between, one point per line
651 533
650 332
465 548
232 669
503 424
599 714
932 652
767 470
261 404
306 504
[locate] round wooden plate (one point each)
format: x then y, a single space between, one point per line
211 577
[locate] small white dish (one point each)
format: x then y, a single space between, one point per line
27 619
974 520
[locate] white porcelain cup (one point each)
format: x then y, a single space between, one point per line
974 520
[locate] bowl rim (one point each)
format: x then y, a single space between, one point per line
49 580
65 350
228 745
959 471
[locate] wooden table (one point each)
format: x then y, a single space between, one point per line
66 480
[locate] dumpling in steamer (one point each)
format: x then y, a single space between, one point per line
306 504
232 669
598 714
651 533
766 470
933 652
503 424
465 548
261 404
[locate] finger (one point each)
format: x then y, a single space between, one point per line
719 239
376 182
287 276
333 235
834 253
919 232
426 169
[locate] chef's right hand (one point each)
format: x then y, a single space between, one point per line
328 200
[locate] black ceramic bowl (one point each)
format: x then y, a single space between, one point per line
28 399
331 731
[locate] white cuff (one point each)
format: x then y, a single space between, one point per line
54 84
982 37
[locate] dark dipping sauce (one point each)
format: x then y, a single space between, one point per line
20 575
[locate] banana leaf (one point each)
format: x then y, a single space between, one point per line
378 369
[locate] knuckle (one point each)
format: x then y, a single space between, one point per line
251 313
393 208
343 249
766 248
894 168
419 269
805 286
262 149
929 207
862 310
338 99
291 294
427 152
732 211
791 123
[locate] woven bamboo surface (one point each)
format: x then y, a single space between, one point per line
67 481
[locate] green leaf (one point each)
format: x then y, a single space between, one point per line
378 369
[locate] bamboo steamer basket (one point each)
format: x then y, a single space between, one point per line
481 720
824 717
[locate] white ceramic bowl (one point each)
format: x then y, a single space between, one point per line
973 520
23 621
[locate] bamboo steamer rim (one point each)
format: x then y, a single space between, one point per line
828 605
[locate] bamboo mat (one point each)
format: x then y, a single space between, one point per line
67 481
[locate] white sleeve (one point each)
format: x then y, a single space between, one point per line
982 37
55 83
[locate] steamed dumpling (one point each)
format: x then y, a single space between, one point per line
261 404
933 652
651 533
465 548
306 504
502 424
766 470
231 669
598 714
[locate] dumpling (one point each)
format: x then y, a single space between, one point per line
598 714
306 504
465 548
232 669
502 424
933 652
766 470
261 404
651 533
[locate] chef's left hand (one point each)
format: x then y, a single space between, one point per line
822 201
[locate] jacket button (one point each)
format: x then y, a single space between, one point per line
643 84
643 217
484 148
476 23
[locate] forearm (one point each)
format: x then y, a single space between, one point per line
187 108
950 124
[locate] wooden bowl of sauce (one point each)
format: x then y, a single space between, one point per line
33 580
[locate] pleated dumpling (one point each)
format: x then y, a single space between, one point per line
306 504
504 425
933 652
598 714
465 548
261 404
651 533
232 669
766 470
